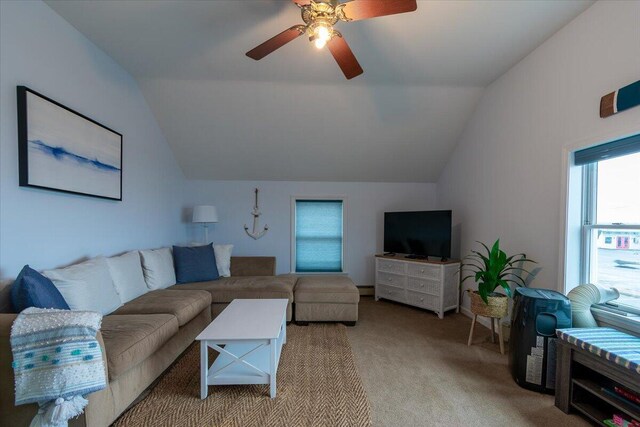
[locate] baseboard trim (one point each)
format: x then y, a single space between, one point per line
366 291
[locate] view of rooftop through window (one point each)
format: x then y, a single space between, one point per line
617 254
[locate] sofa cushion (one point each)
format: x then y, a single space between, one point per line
223 259
5 296
226 289
32 289
126 272
130 339
326 289
253 266
194 263
157 265
87 286
184 305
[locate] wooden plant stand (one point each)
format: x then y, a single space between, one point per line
495 310
493 333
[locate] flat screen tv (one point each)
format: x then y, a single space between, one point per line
418 234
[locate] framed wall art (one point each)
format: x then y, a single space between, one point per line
62 150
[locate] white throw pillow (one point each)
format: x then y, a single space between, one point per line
87 286
223 259
157 265
127 275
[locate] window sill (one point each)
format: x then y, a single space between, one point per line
629 323
320 273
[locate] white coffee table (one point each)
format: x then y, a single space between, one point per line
249 335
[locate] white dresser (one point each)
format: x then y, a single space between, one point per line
432 285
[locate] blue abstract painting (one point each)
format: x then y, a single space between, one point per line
65 151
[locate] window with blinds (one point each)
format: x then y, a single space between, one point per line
318 236
611 219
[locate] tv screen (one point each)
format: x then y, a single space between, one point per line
424 233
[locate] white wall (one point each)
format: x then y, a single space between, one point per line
45 229
506 177
365 205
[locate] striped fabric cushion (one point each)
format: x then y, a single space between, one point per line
610 344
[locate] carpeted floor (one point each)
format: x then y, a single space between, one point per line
410 369
418 371
318 385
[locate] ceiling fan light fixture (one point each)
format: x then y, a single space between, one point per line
320 43
320 34
319 17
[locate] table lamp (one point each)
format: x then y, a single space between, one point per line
205 215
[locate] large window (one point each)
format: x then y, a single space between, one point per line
611 221
318 235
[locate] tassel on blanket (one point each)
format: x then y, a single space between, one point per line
58 413
63 409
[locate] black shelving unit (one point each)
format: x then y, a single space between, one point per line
582 377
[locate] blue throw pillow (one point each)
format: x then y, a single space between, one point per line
32 289
195 264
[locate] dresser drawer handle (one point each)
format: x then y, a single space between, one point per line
422 271
421 299
389 279
389 292
422 285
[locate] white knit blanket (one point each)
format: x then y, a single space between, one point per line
56 360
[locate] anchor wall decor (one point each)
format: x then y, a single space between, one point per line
255 234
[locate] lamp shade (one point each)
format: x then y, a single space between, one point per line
205 214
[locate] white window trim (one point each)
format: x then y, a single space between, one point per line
570 183
589 220
293 235
629 323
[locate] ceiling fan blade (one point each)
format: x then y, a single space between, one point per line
344 57
276 42
302 2
356 10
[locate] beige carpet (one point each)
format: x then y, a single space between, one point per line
318 385
418 371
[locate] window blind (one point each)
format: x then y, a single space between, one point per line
318 236
621 147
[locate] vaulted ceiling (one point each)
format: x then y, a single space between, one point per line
292 115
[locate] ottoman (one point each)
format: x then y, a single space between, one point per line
326 299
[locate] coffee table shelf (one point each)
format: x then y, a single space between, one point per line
240 373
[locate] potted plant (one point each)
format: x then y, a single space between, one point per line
490 271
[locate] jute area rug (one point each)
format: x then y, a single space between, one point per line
317 385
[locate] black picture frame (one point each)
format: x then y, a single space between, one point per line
70 171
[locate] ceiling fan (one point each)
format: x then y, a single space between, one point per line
320 16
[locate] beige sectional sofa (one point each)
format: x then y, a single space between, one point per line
253 277
326 299
143 337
